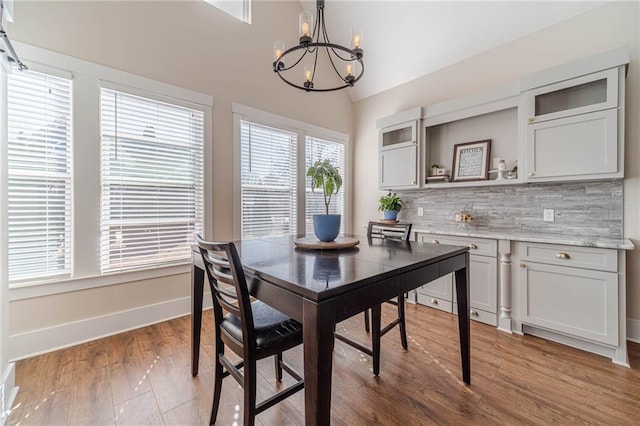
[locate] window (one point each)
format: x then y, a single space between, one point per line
152 181
39 175
268 181
240 9
318 149
275 152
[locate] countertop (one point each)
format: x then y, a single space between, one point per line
621 244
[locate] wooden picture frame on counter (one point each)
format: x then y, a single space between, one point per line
471 161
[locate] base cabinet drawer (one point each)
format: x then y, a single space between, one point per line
434 302
577 302
480 315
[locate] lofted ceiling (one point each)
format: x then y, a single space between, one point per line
404 40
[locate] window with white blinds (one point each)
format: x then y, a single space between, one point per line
152 181
268 181
315 150
39 175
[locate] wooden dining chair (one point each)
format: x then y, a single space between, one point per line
252 330
399 232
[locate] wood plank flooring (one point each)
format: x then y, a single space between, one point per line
143 377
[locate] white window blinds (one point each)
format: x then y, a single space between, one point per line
268 181
152 181
39 145
318 149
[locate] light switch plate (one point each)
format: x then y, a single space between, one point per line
548 215
420 211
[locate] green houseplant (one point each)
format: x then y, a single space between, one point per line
326 176
390 205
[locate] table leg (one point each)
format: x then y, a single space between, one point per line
462 293
318 323
197 290
375 337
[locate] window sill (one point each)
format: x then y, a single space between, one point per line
47 288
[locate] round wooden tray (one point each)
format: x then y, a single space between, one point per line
312 243
388 221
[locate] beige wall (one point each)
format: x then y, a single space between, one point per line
187 44
608 27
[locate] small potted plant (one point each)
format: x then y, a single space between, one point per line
434 169
324 175
390 205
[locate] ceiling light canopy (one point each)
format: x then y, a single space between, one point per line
346 62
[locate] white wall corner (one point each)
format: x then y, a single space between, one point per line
8 392
633 330
36 342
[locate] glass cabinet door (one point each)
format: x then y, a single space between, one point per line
593 92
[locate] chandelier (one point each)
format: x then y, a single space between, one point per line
314 40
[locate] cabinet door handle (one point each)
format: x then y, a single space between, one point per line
530 174
473 313
413 182
434 301
473 246
435 242
522 265
563 256
531 119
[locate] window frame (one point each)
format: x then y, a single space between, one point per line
87 80
302 129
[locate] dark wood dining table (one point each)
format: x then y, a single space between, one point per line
320 288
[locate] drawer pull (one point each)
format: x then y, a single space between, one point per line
473 246
435 242
530 174
563 256
434 301
473 313
522 265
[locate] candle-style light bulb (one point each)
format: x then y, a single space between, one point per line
356 38
351 70
306 26
308 77
278 49
308 72
356 42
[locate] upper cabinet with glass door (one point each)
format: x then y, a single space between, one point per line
575 120
399 150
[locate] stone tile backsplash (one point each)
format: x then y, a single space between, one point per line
592 209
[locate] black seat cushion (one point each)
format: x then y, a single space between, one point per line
272 327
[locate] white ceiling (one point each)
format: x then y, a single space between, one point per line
404 40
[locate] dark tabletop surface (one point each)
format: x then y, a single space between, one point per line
321 274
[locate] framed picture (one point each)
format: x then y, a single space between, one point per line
471 161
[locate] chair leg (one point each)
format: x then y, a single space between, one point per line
217 385
278 359
403 325
375 337
366 320
249 374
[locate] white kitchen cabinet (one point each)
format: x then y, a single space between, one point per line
483 279
399 150
594 92
574 295
584 145
575 128
398 168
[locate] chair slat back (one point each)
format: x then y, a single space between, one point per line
394 231
228 283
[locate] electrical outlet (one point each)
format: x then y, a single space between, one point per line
420 211
548 215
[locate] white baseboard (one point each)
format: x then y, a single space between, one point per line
49 339
8 392
633 330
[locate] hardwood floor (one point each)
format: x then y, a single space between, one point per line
143 377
